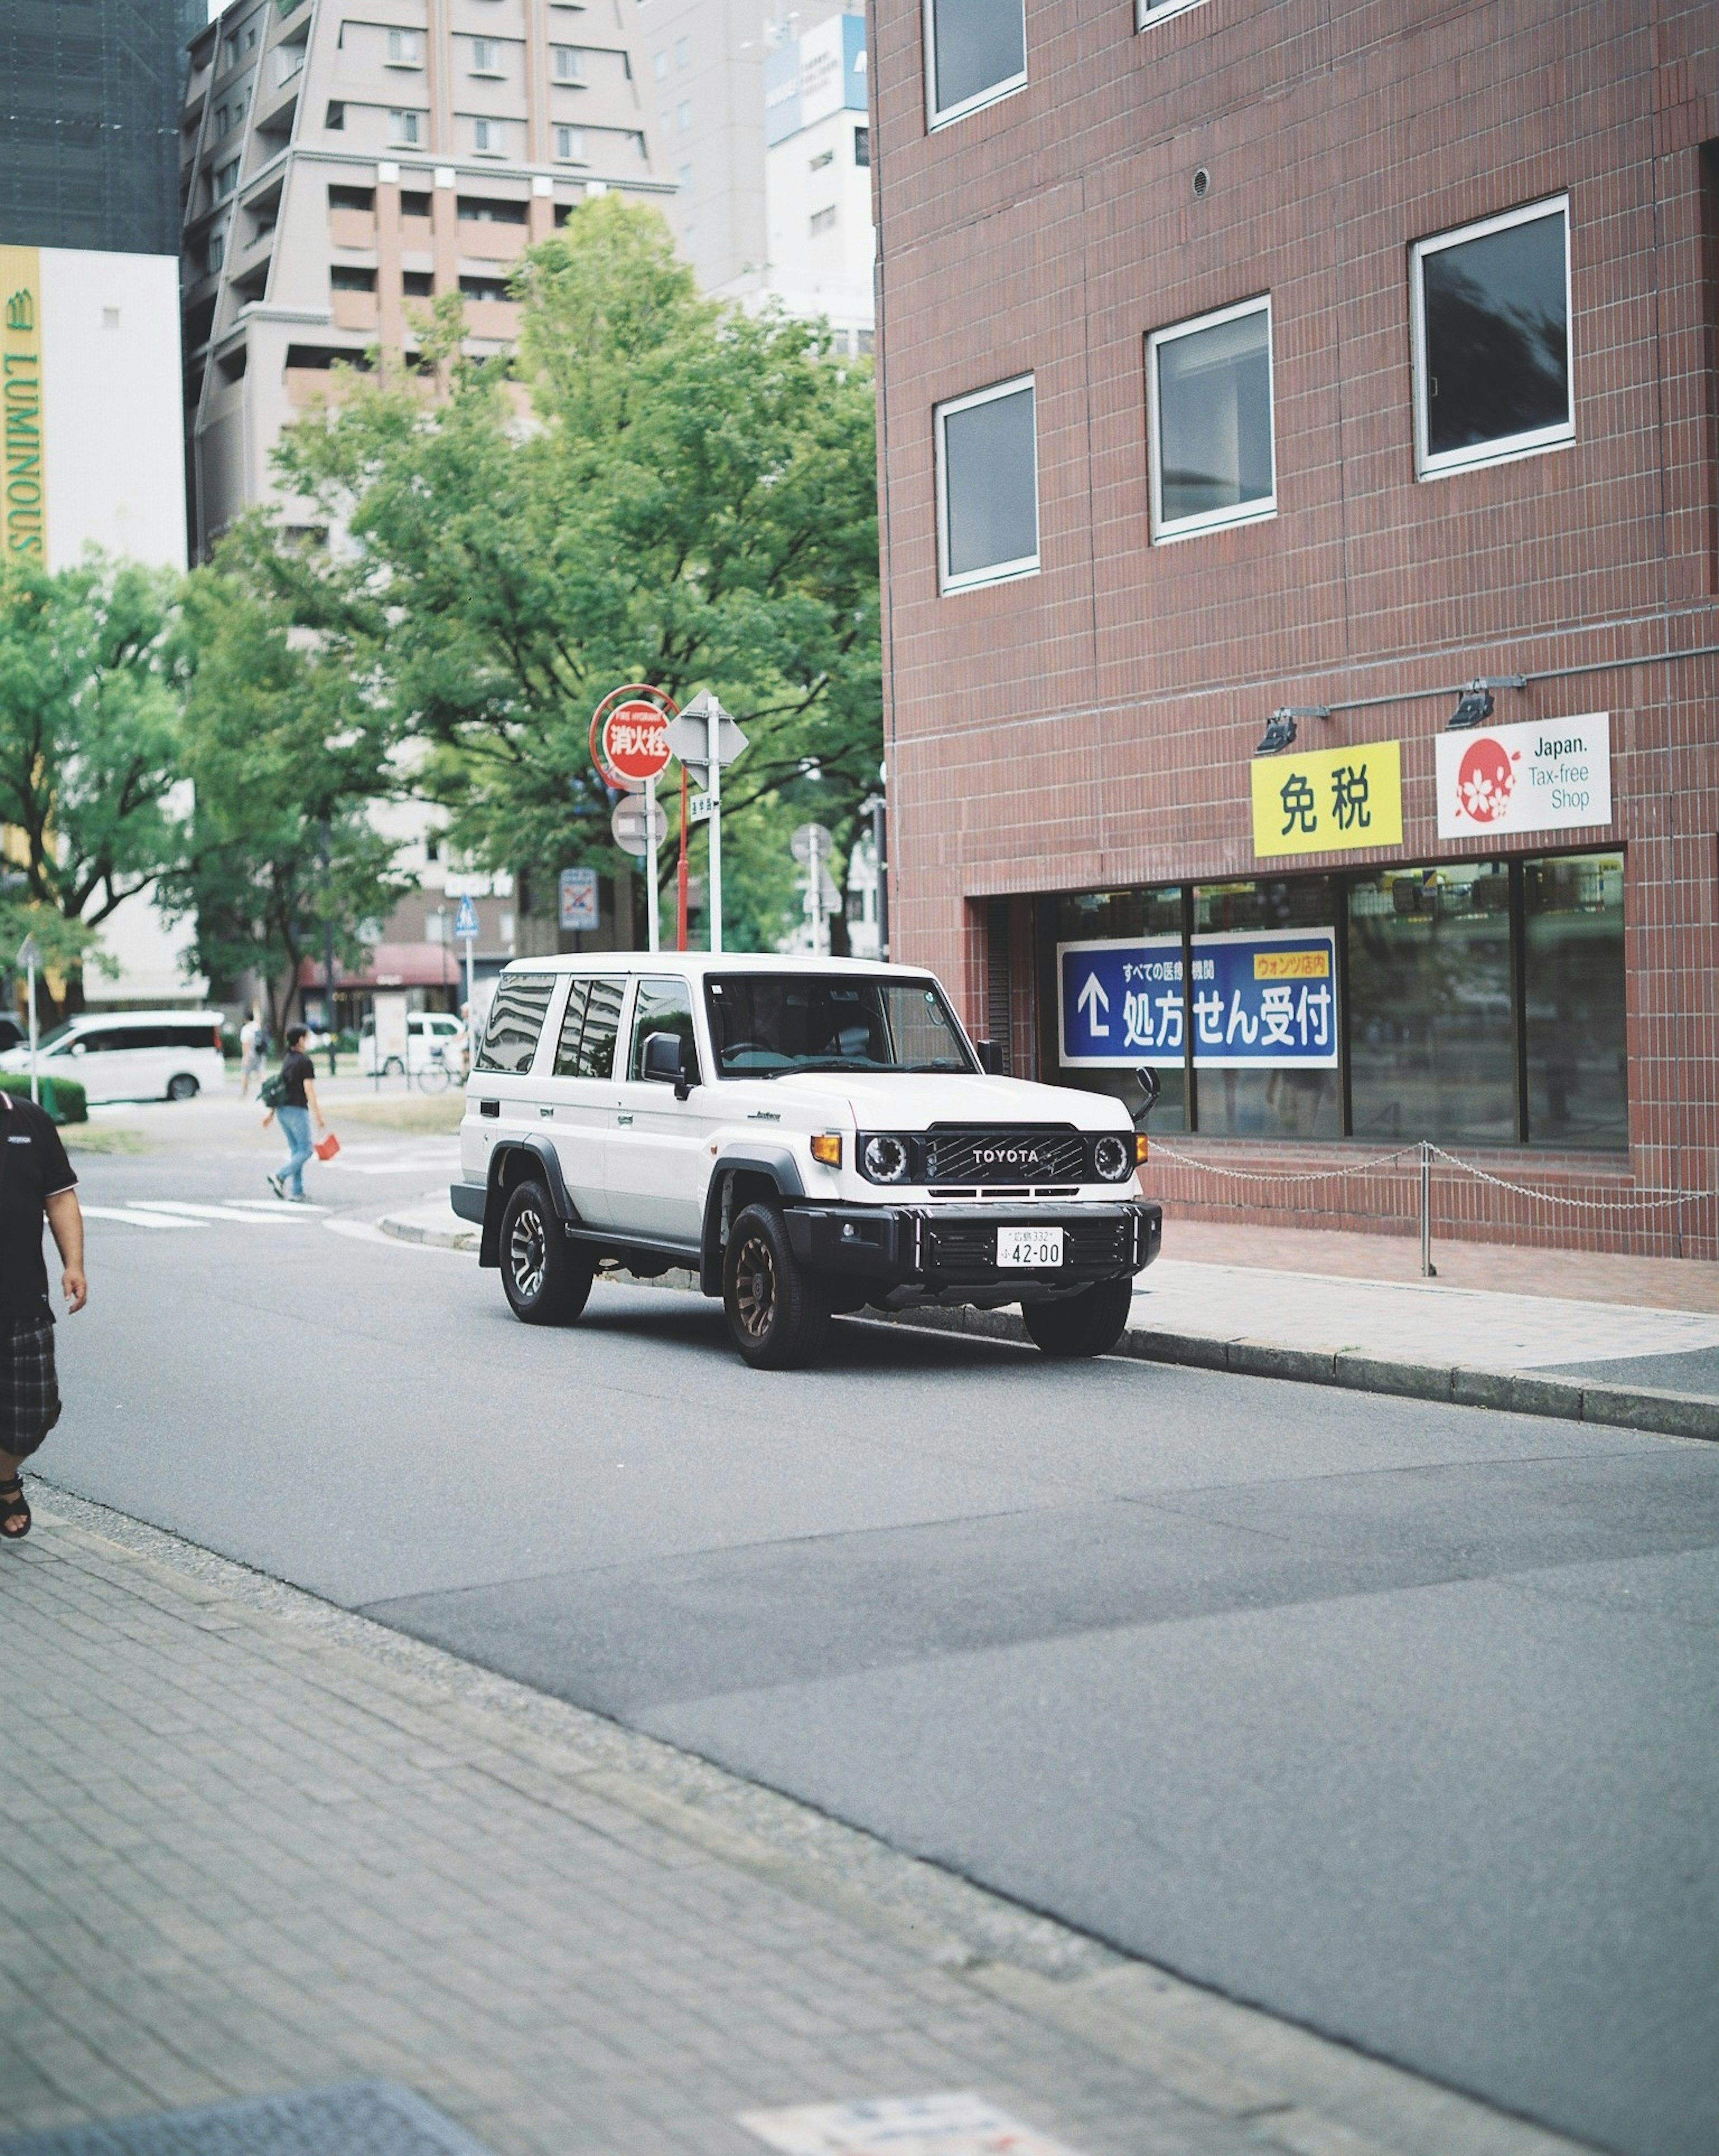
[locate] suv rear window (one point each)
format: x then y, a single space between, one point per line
515 1020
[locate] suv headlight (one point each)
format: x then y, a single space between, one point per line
885 1160
1113 1157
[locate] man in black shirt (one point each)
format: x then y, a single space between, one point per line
35 1178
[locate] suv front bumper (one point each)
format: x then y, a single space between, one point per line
952 1249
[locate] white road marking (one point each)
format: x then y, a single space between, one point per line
176 1207
140 1220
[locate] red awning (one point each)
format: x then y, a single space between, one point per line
391 966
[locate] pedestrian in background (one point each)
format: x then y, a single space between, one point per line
36 1180
254 1052
291 1094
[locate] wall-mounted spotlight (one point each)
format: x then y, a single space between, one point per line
1280 728
1475 709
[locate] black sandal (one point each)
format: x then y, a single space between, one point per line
14 1510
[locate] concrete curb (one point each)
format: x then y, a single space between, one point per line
1513 1392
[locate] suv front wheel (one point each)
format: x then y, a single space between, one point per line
777 1312
547 1279
1090 1323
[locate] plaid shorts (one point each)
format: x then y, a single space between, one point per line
30 1389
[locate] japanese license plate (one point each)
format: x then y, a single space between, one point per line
1030 1246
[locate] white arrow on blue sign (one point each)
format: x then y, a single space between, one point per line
465 921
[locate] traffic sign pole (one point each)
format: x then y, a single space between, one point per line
715 791
680 874
652 925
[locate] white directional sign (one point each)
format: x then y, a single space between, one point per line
634 823
698 807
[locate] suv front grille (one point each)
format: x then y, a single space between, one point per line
984 1159
958 1250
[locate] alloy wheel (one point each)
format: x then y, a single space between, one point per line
755 1286
526 1253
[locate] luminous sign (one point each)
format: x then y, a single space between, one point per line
1264 997
1541 775
1329 800
23 496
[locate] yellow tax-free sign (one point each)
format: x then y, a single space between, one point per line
23 479
1328 800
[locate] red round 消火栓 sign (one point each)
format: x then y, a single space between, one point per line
630 736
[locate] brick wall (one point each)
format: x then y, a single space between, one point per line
1092 726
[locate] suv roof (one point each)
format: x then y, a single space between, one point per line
713 962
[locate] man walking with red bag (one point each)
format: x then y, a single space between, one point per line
292 1097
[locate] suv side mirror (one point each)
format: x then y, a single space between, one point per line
668 1058
991 1057
1147 1080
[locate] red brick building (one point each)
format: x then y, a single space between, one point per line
1255 379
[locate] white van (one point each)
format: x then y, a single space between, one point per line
132 1055
427 1032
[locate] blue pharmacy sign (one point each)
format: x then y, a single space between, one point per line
1261 997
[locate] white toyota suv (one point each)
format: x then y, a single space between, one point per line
808 1134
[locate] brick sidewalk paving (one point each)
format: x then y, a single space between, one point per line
254 1845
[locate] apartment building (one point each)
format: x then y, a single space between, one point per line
818 179
344 162
1300 464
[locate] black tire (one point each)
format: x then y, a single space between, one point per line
776 1309
547 1279
184 1087
1090 1323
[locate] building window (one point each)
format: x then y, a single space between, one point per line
359 199
403 127
335 119
568 62
418 285
223 122
290 61
823 220
987 486
226 180
862 145
485 56
975 51
682 116
570 145
683 175
343 278
214 252
483 288
405 49
489 137
1153 11
1574 1002
412 204
1209 396
659 66
683 54
824 157
1491 306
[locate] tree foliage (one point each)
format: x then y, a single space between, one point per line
655 488
285 741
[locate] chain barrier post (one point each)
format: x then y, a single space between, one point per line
1428 1271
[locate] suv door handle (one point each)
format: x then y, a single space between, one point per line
623 1119
545 1111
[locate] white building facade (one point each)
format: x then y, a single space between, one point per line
818 179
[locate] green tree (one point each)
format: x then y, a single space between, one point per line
656 489
90 765
286 741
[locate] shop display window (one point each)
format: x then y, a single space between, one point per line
1573 980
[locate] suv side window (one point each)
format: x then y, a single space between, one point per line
587 1033
664 1006
515 1020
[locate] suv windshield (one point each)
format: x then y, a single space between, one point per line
763 1025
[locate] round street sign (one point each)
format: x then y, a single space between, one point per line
811 842
627 824
629 741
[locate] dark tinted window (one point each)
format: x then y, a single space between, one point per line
1292 1100
515 1020
1573 977
976 45
1214 418
990 485
663 1007
201 1035
1431 1038
587 1032
1497 357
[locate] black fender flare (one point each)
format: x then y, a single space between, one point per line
544 1162
776 1165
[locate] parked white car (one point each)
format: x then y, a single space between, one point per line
808 1134
427 1032
132 1055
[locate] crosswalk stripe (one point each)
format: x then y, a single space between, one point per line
177 1208
140 1220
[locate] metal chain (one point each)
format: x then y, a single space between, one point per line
1254 1174
1643 1198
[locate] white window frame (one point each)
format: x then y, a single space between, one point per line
994 573
1145 16
563 129
493 68
574 70
405 49
936 115
1508 448
481 144
224 183
403 127
1166 531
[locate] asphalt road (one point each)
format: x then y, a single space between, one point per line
1397 1719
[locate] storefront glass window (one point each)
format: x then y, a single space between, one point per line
1087 917
1298 1099
1573 984
1431 1038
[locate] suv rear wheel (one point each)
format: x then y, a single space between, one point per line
547 1279
1090 1323
776 1309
